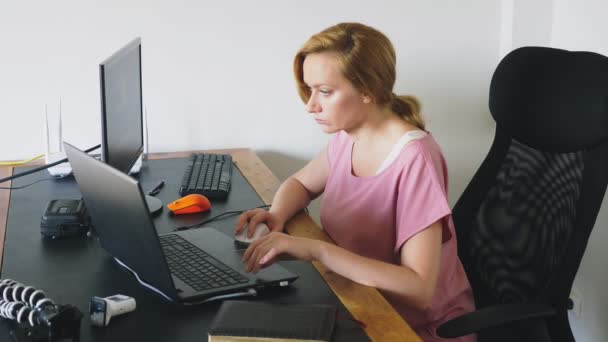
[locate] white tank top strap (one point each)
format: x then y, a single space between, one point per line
405 138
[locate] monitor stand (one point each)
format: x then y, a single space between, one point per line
154 204
136 168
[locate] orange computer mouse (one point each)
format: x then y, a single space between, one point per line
190 204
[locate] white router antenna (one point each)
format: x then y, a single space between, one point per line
45 131
50 155
60 129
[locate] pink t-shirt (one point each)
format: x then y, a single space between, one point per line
374 216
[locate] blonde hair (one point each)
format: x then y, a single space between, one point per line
367 59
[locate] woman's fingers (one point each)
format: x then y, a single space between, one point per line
241 221
248 220
258 250
257 218
268 256
249 251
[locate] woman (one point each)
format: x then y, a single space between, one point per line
384 181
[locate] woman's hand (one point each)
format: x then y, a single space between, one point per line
265 251
250 219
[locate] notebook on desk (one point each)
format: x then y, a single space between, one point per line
238 321
185 266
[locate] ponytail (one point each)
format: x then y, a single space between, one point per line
408 107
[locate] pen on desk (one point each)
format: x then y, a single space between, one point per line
157 188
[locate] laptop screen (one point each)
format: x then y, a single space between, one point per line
120 218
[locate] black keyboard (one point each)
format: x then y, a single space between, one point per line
195 267
207 174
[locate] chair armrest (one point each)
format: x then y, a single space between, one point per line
493 316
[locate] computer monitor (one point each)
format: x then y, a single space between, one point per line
121 107
122 137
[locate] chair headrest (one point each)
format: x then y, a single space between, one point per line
551 99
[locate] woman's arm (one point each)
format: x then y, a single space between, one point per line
293 195
414 280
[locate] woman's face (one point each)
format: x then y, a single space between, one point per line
334 103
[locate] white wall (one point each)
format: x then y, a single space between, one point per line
532 24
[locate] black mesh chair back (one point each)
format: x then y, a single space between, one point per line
524 220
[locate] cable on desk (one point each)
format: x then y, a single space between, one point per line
25 186
20 162
143 282
44 167
235 212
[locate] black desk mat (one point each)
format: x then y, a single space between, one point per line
72 270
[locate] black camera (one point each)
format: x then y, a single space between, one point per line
65 218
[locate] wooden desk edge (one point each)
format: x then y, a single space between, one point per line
366 304
5 196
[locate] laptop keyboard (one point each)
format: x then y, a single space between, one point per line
207 174
195 267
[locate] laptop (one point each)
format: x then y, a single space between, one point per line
210 265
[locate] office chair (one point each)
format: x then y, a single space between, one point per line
524 220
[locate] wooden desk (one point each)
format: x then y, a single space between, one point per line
365 303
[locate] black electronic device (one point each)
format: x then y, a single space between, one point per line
64 218
103 309
35 318
207 174
122 137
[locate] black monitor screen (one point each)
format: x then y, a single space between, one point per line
121 107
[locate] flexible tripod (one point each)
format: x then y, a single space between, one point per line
34 317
